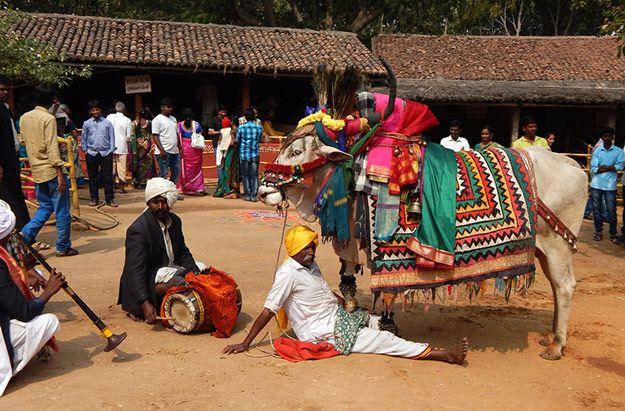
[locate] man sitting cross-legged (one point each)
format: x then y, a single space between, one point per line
24 328
157 257
316 316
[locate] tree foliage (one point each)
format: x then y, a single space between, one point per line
29 61
365 17
615 24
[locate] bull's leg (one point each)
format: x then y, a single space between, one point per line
347 286
558 267
386 321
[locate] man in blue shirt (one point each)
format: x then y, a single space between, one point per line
605 163
98 142
248 137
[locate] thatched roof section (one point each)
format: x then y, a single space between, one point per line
202 47
485 69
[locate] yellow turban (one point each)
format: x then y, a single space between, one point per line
298 237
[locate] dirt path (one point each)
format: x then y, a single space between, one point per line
157 368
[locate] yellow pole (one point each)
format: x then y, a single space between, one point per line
73 186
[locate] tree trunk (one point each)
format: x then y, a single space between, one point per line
568 23
329 15
502 19
246 18
517 23
270 13
363 19
298 14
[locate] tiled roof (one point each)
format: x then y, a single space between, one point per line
97 40
501 58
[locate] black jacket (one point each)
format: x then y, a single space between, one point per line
8 156
13 305
145 254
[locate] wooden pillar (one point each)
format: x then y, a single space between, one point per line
245 97
138 105
516 119
612 118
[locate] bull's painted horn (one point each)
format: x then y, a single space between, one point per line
392 89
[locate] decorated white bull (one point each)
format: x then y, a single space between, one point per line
420 216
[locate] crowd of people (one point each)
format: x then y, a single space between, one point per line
112 145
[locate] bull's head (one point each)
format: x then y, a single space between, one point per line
302 148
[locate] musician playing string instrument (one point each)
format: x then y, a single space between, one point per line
25 330
157 257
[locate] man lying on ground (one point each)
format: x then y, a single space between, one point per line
316 316
157 257
25 330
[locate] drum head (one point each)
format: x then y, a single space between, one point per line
183 308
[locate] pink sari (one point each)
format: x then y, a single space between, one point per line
191 177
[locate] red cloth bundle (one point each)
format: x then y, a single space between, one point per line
296 350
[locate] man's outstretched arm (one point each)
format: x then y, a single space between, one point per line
265 316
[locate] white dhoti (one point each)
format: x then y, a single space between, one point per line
370 340
27 340
164 274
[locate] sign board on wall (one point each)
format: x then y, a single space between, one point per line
138 84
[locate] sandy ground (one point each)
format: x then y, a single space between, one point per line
157 368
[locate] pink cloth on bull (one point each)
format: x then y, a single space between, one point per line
380 158
393 121
380 154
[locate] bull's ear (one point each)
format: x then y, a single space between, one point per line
334 154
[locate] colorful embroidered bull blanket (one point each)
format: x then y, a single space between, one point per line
494 228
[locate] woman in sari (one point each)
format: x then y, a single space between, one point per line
191 180
141 145
228 184
487 134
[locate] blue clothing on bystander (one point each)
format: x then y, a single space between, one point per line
98 137
248 136
51 201
614 156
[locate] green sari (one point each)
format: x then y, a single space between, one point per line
228 182
141 146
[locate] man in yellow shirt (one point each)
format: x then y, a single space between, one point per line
529 138
38 133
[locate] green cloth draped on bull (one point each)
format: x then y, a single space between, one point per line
477 219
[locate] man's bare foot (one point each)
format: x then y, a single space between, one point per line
458 354
455 355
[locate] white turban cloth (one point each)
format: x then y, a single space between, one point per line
158 186
7 219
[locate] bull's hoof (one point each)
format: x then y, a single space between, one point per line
552 352
546 341
387 323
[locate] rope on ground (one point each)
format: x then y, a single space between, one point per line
266 353
91 224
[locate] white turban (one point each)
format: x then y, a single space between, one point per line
158 186
7 219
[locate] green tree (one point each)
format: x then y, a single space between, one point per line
615 25
364 17
29 61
